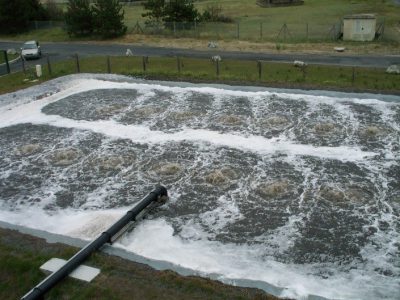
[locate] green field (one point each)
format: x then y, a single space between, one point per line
311 22
228 71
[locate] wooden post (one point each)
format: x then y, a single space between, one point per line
353 77
108 64
49 65
174 28
217 67
23 64
144 63
307 31
6 60
261 30
259 67
78 67
238 30
178 63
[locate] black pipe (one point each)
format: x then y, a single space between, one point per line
159 194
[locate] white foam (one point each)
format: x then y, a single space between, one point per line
191 248
156 239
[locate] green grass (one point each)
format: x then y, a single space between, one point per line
22 255
230 71
310 22
256 23
9 56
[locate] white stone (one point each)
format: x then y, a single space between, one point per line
393 69
82 272
216 58
11 51
299 64
212 45
339 49
128 52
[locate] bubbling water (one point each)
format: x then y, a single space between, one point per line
303 185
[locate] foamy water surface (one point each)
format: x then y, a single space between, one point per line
299 191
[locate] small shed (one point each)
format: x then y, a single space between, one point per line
359 27
273 3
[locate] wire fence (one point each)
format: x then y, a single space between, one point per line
248 31
253 31
231 70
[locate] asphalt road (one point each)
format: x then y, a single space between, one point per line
62 51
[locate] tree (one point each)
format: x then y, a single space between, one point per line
109 17
155 10
169 11
15 15
53 10
180 11
79 18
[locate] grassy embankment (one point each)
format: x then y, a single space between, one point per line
230 71
22 255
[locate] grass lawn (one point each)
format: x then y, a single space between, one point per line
230 71
22 255
265 23
310 22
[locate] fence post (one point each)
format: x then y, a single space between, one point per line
238 30
23 64
261 30
217 68
49 65
178 63
307 31
78 67
108 64
353 77
6 60
174 28
259 67
144 63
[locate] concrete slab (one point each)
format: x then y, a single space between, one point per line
83 272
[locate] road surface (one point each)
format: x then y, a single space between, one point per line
62 51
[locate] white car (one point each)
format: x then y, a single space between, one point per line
31 49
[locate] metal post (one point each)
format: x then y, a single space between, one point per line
6 60
108 64
307 31
23 64
78 67
157 195
49 65
178 63
144 63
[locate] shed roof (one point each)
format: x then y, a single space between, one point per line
360 16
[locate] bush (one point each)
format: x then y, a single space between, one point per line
15 15
53 10
79 18
109 17
213 13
